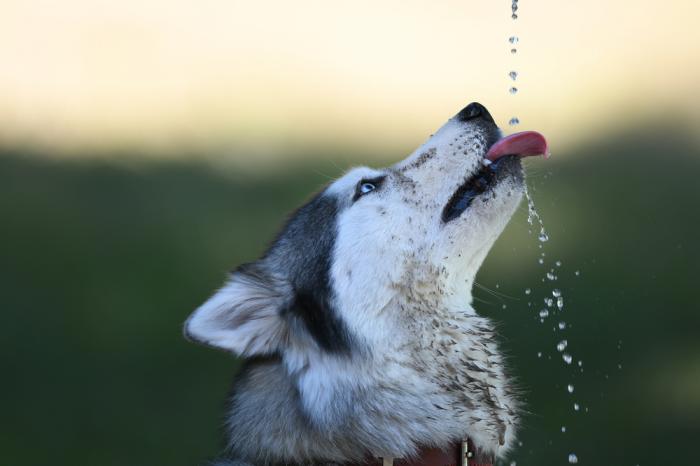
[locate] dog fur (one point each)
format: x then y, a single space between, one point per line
356 325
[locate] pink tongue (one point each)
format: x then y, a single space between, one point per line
523 144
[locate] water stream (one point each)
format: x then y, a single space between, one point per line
554 303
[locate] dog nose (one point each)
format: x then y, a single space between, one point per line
474 110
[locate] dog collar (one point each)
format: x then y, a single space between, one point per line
457 454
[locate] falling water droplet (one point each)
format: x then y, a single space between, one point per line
540 260
551 276
528 291
556 292
563 428
567 358
577 273
504 306
562 325
544 237
558 263
573 459
544 313
570 388
561 346
514 121
513 40
560 303
539 354
513 51
514 16
576 407
513 90
549 302
580 363
513 75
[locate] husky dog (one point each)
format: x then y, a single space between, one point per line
356 325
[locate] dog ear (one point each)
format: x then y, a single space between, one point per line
244 316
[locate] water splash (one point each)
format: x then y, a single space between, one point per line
554 303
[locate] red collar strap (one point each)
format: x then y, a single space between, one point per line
457 454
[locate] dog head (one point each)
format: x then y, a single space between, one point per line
375 248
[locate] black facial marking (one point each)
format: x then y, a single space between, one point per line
304 249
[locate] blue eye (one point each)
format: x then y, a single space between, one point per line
367 187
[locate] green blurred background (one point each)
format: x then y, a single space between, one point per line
102 262
147 149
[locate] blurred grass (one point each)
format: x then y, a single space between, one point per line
102 262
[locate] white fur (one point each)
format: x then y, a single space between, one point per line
424 368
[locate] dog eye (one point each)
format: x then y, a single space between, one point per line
367 186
